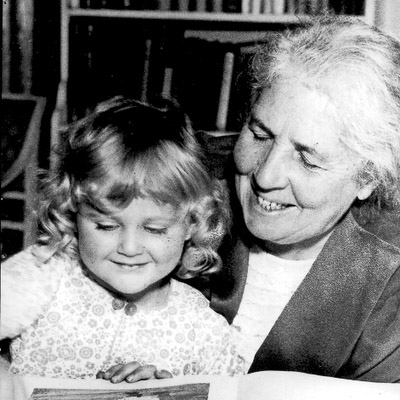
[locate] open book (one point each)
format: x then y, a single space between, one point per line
270 385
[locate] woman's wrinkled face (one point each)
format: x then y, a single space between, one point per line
131 251
295 179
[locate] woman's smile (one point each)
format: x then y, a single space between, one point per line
271 205
295 179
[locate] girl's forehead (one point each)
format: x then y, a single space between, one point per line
139 208
112 194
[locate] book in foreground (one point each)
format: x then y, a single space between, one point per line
195 391
271 385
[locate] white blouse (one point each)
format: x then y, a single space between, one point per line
271 282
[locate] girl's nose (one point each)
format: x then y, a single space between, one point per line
271 171
130 243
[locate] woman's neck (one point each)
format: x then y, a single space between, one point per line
305 250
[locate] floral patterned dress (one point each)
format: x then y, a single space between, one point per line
67 327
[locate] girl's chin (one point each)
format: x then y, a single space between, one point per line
127 293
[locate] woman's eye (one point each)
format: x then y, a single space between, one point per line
156 230
259 134
307 164
106 227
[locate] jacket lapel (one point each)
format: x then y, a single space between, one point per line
227 287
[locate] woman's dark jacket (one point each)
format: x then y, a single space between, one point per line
343 320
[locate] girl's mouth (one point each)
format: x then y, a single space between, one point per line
128 266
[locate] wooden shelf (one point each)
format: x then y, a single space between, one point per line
196 16
189 16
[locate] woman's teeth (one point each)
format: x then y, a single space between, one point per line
270 206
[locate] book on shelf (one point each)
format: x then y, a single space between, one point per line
271 385
214 89
201 5
212 79
266 7
256 7
183 5
99 67
75 3
146 70
218 6
6 48
164 5
121 4
225 91
278 7
246 6
198 80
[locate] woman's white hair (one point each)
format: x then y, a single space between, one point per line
358 68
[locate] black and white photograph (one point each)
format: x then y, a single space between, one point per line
200 199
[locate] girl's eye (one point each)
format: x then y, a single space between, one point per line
156 230
106 227
306 163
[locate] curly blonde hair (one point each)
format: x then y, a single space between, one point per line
126 149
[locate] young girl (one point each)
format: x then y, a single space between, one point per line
129 206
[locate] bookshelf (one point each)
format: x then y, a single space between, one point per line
21 119
153 43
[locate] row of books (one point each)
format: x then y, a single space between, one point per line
279 7
208 80
255 7
161 5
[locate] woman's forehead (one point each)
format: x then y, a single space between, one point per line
302 115
293 106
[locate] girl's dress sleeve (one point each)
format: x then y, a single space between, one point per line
219 354
228 361
28 283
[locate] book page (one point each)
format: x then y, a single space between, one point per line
277 385
188 387
270 385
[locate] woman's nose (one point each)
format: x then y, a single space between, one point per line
272 168
130 243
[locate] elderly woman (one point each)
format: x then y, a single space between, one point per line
308 288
